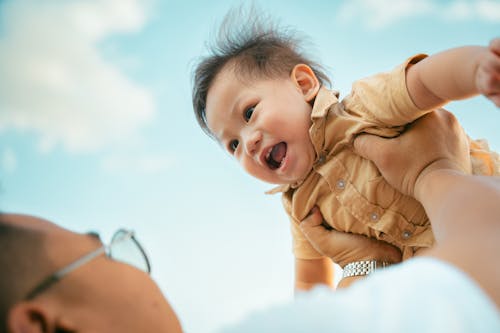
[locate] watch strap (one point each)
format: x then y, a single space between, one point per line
363 267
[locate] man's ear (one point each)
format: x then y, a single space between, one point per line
31 317
28 317
303 76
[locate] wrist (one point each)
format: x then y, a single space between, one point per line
347 281
431 175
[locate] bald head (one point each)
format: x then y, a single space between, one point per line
102 295
23 259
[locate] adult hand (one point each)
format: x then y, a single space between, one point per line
435 141
343 247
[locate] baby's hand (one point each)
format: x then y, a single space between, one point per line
488 73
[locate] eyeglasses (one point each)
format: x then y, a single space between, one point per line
124 247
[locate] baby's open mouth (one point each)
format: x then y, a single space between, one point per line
276 155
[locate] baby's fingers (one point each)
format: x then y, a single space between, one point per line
495 99
495 46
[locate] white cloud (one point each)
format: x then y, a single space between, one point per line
8 161
144 164
486 10
54 81
378 14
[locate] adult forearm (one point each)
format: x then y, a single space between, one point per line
313 272
457 203
465 215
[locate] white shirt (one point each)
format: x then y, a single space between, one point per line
421 295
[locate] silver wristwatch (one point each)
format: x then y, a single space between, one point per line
363 267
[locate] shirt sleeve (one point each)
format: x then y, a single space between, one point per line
383 99
420 295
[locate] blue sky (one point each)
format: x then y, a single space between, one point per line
97 131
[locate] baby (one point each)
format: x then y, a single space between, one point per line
268 105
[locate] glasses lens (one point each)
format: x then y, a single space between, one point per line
125 248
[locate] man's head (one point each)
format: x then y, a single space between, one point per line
102 295
254 93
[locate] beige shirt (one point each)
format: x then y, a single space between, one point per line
349 190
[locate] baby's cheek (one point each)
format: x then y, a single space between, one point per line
253 170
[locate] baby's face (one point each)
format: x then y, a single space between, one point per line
264 124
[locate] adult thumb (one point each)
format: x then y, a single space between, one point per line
368 146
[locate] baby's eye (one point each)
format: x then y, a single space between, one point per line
248 113
233 144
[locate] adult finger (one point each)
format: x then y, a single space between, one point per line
369 146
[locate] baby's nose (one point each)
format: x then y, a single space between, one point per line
252 143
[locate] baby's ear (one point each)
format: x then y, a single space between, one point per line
303 76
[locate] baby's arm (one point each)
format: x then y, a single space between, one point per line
456 74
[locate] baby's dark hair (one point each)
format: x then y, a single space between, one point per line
257 47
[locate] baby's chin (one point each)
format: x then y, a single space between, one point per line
288 178
284 182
